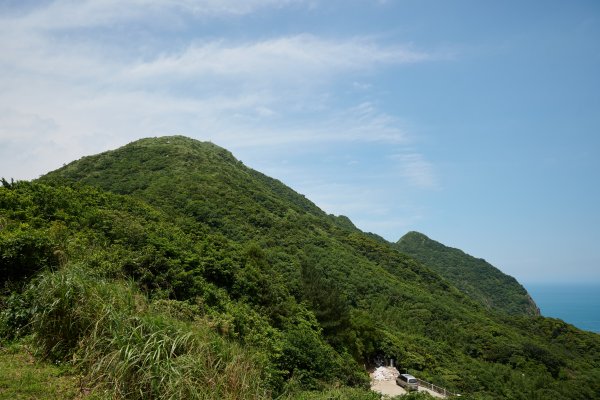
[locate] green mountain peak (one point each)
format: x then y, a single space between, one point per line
475 277
189 178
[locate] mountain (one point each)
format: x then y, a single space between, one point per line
475 277
191 178
176 238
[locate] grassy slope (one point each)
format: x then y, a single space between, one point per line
23 376
473 276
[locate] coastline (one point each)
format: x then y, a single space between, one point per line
575 303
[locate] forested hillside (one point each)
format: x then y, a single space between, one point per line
180 272
475 277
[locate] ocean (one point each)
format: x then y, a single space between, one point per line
577 304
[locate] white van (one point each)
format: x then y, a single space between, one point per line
408 382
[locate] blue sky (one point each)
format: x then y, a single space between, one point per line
474 122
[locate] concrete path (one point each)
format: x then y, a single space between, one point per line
383 380
431 392
389 388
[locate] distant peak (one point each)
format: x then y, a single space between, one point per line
414 235
182 145
174 139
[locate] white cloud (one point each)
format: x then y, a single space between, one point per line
64 95
361 86
294 58
362 123
69 14
417 170
16 125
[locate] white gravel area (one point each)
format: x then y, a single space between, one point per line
383 380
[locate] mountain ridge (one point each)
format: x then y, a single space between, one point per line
473 276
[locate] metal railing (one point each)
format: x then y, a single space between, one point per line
436 389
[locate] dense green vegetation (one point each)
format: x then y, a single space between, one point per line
167 267
473 276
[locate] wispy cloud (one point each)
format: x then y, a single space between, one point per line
68 91
415 168
70 14
19 125
293 58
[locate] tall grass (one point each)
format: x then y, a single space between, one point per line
128 351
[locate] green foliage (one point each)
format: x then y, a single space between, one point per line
473 276
23 252
15 313
180 246
120 237
131 352
327 301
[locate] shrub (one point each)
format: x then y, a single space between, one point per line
128 351
15 313
23 253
